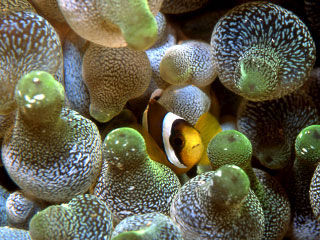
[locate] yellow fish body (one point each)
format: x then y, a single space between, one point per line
180 141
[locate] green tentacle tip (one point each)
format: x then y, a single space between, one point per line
124 145
132 235
257 78
230 185
47 219
100 115
229 147
139 30
307 145
39 90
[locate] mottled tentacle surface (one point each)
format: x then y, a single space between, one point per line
113 23
130 182
6 121
310 145
49 9
275 204
263 51
20 209
77 93
191 62
272 127
165 39
113 76
84 217
218 205
232 147
4 194
7 233
28 43
52 152
15 5
151 226
314 193
187 101
304 223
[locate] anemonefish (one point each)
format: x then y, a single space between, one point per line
207 125
180 141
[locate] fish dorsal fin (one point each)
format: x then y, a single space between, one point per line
152 120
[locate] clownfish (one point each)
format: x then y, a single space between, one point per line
180 141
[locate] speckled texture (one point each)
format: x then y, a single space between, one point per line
172 29
232 147
314 193
164 28
275 204
229 147
20 209
77 93
6 121
166 38
304 224
15 5
187 101
278 49
181 6
113 23
45 155
4 194
84 217
155 226
31 44
309 148
200 217
130 182
272 127
7 233
191 62
49 9
50 169
113 76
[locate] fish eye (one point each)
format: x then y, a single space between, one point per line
178 141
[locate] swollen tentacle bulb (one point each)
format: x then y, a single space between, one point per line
263 51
